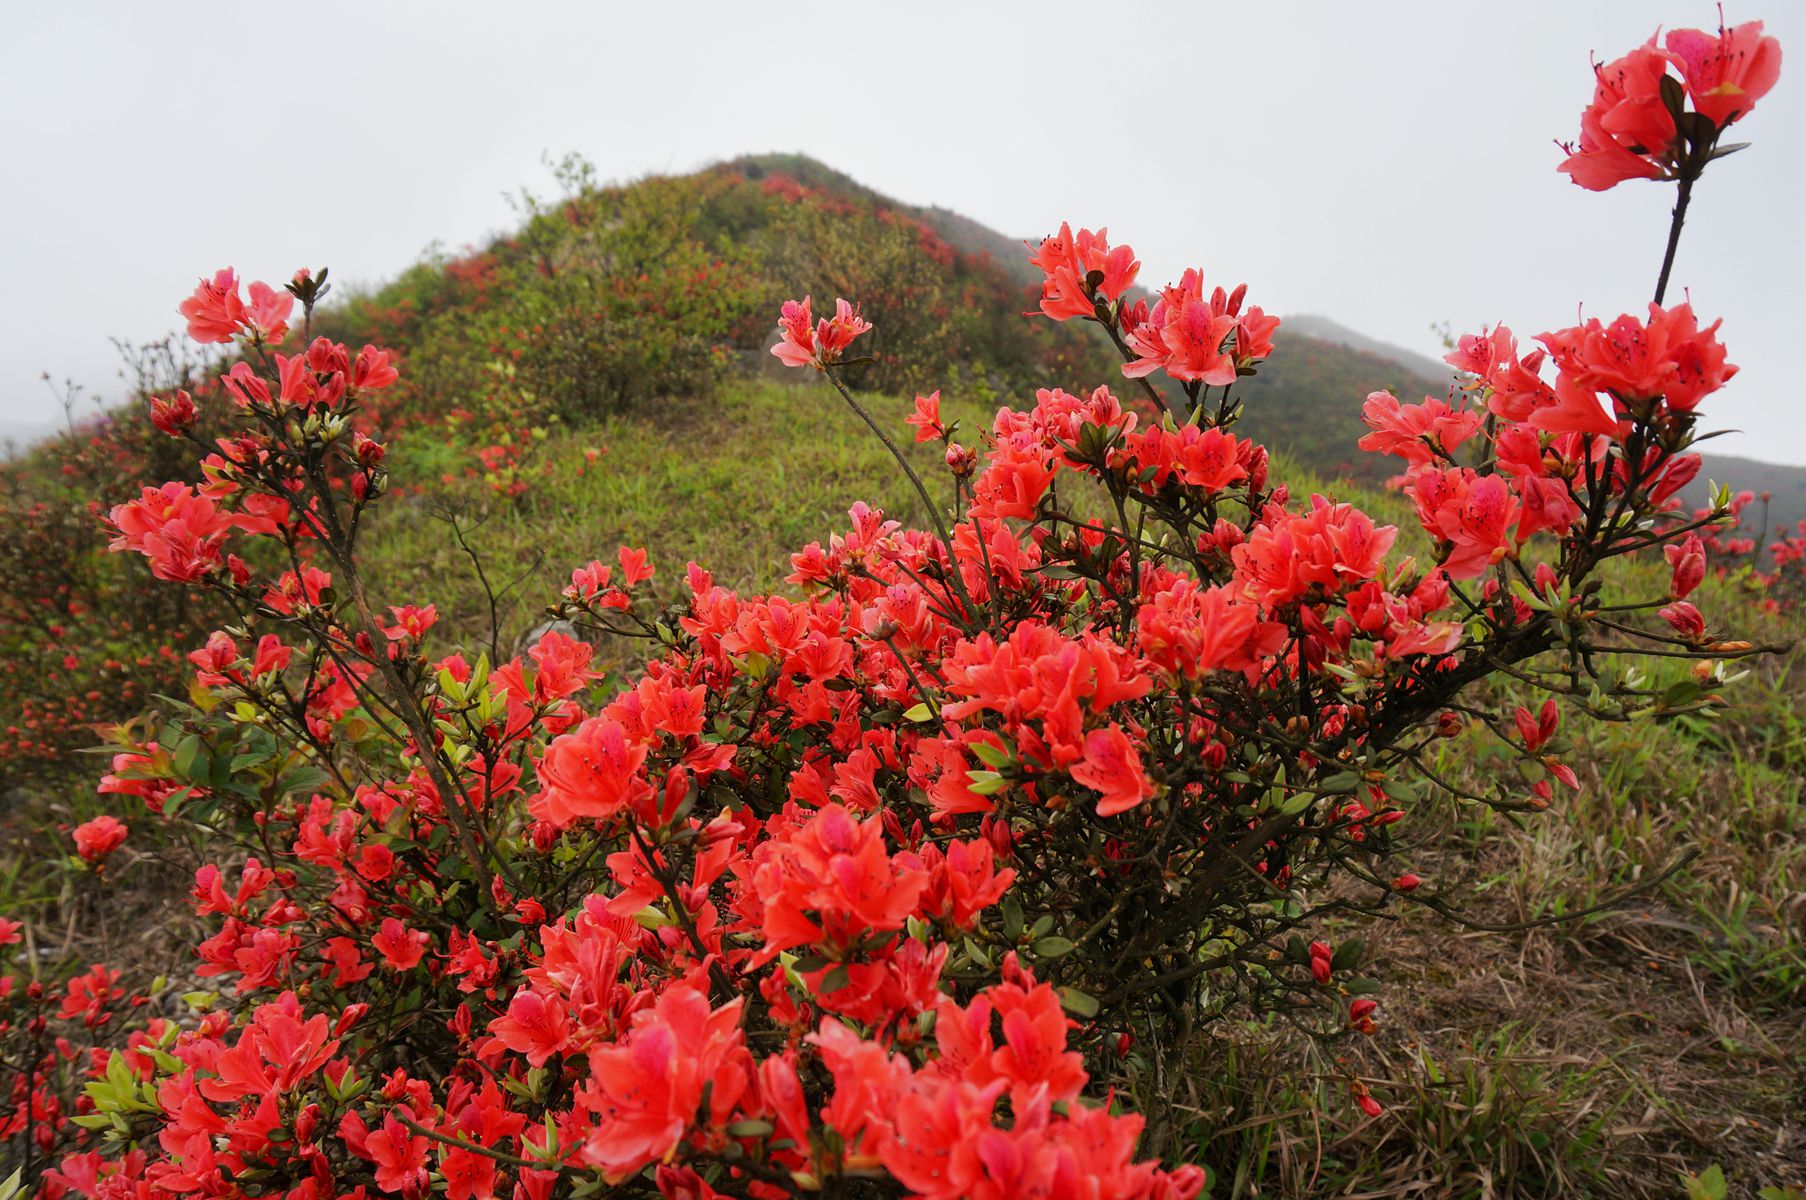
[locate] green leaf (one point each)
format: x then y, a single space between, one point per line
1079 1004
917 712
1341 783
995 757
1347 955
1406 795
174 801
1012 918
985 783
1297 803
304 779
187 757
118 1074
1053 947
1709 1184
1685 691
1674 98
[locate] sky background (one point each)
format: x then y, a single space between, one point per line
1389 165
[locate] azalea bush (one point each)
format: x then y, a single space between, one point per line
617 302
920 878
84 639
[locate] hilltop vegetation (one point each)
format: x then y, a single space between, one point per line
611 295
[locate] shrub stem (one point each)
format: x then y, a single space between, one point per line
1674 235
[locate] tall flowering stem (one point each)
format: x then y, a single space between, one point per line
1660 112
1683 195
928 504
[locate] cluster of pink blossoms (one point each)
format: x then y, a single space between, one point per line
1620 391
1638 125
806 345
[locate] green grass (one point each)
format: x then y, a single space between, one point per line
737 485
1614 1055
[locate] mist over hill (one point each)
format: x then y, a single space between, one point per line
17 433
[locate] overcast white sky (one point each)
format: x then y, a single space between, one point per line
1387 164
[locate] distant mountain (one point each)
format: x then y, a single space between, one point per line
1785 485
1306 402
1323 329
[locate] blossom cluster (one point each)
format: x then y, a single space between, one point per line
1658 111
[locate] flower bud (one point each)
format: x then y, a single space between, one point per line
1685 619
1689 562
307 1123
998 834
175 415
352 1014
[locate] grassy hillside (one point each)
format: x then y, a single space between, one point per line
1306 402
659 290
737 485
